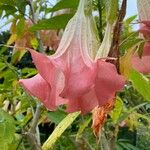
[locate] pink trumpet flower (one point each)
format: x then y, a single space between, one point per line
73 76
143 64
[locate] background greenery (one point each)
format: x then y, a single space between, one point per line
127 125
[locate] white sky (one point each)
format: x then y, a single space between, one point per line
131 8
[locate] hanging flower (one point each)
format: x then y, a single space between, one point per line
73 76
143 64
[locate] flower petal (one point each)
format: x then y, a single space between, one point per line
41 89
146 49
85 103
44 65
74 57
50 74
78 76
147 23
35 85
145 30
107 82
141 64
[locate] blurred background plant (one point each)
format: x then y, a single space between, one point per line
127 125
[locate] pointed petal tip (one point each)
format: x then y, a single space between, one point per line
108 82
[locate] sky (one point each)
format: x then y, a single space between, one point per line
131 10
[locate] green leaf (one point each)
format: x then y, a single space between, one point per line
1 13
82 127
56 116
62 126
21 4
3 146
34 43
2 65
130 19
126 114
12 39
7 129
115 114
9 9
28 72
140 83
12 2
9 77
64 4
118 147
17 55
2 127
16 142
56 22
130 41
128 146
20 26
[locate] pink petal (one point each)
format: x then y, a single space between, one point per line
146 49
85 103
145 30
44 65
147 23
105 89
40 88
78 76
107 82
78 69
141 64
50 73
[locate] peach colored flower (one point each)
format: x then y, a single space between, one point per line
73 76
49 38
143 64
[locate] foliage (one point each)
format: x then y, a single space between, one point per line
7 130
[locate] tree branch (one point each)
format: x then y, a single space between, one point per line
34 20
114 50
31 134
32 141
35 119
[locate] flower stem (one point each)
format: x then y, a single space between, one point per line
34 20
114 50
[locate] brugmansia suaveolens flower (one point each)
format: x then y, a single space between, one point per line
143 64
73 76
